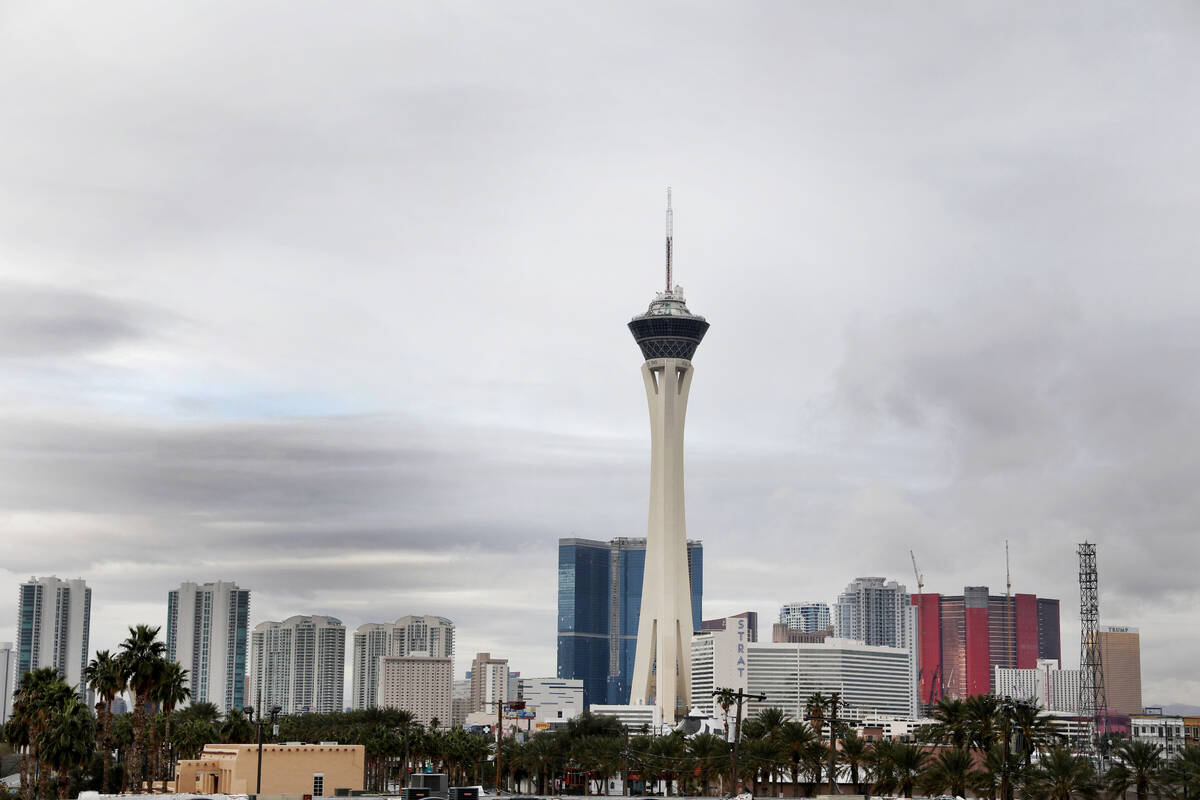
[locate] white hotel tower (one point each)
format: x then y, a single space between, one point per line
668 335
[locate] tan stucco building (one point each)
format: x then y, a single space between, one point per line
287 769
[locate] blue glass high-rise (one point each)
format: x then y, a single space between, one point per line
599 603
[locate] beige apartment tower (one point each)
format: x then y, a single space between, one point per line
298 664
1121 659
668 335
489 682
428 636
418 684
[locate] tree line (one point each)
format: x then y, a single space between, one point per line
992 748
65 747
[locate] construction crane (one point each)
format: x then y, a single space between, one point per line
920 619
1008 611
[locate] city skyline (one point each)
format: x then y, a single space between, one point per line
330 309
414 635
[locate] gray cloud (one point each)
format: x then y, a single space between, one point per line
47 322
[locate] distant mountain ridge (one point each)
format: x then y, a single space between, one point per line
1181 710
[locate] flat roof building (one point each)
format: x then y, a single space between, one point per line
805 617
316 770
961 639
551 701
721 623
54 622
1121 660
489 682
298 664
1163 730
418 684
207 634
414 635
870 679
1052 688
599 606
7 680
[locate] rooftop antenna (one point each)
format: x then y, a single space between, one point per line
1008 610
670 225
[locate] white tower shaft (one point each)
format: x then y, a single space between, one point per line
662 665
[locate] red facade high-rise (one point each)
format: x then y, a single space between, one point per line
961 639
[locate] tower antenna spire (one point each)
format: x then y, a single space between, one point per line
670 226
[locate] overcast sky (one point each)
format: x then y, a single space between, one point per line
329 299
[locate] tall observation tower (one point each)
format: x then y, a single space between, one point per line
668 335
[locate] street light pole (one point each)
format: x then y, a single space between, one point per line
740 696
258 774
250 713
833 706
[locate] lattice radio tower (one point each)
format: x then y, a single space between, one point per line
1092 701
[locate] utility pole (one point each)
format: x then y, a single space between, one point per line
740 696
833 709
515 705
625 763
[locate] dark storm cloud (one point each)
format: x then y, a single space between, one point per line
304 486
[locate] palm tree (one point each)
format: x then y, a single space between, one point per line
1138 766
988 781
406 727
141 657
1181 776
120 739
897 767
771 720
950 726
67 741
1038 731
707 751
189 736
40 693
816 758
797 740
236 728
983 721
543 757
762 754
951 772
1060 775
171 690
814 710
726 698
201 710
667 753
879 763
854 756
106 676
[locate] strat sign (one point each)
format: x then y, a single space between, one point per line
730 648
741 650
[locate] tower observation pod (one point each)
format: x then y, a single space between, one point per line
668 335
